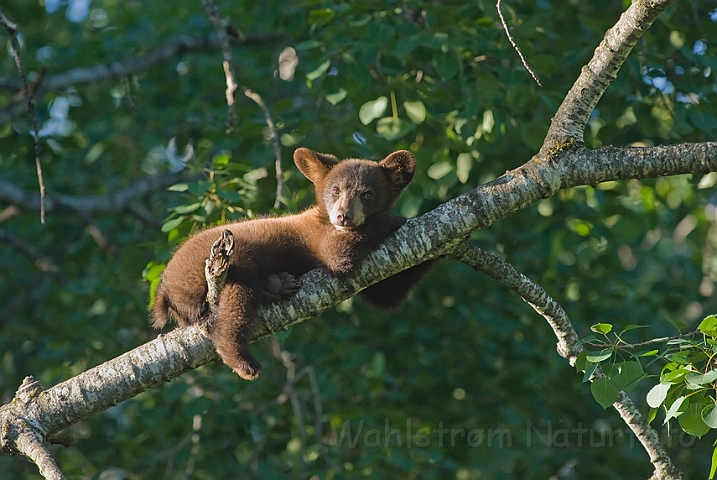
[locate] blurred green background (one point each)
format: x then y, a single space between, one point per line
463 381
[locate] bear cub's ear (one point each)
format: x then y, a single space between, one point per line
315 166
399 168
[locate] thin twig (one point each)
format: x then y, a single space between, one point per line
275 142
515 46
641 344
220 25
12 29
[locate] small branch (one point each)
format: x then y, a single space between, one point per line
15 47
275 142
630 346
123 68
89 204
515 46
532 293
42 262
32 447
568 345
220 25
316 396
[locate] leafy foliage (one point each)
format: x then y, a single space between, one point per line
464 370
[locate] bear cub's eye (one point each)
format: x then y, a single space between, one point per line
366 195
335 191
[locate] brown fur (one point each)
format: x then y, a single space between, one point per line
351 218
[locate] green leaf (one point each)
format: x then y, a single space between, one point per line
691 420
321 17
649 353
335 98
406 45
701 379
182 209
604 391
713 468
677 408
629 372
634 327
708 326
678 324
220 160
179 187
171 224
392 128
445 64
416 111
596 357
313 75
679 357
675 376
580 361
372 110
651 415
589 372
657 394
709 413
603 328
153 271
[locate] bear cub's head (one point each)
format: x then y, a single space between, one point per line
352 190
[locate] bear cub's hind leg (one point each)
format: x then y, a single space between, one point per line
230 331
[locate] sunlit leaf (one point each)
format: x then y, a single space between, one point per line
416 111
657 394
372 110
603 328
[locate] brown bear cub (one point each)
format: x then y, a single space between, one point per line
351 219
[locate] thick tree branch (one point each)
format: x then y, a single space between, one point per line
89 204
568 124
590 167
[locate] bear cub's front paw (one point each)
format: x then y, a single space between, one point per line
282 285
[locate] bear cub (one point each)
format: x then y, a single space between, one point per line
351 218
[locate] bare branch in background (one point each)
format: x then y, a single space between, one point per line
515 46
119 69
12 29
220 25
275 142
88 204
42 262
